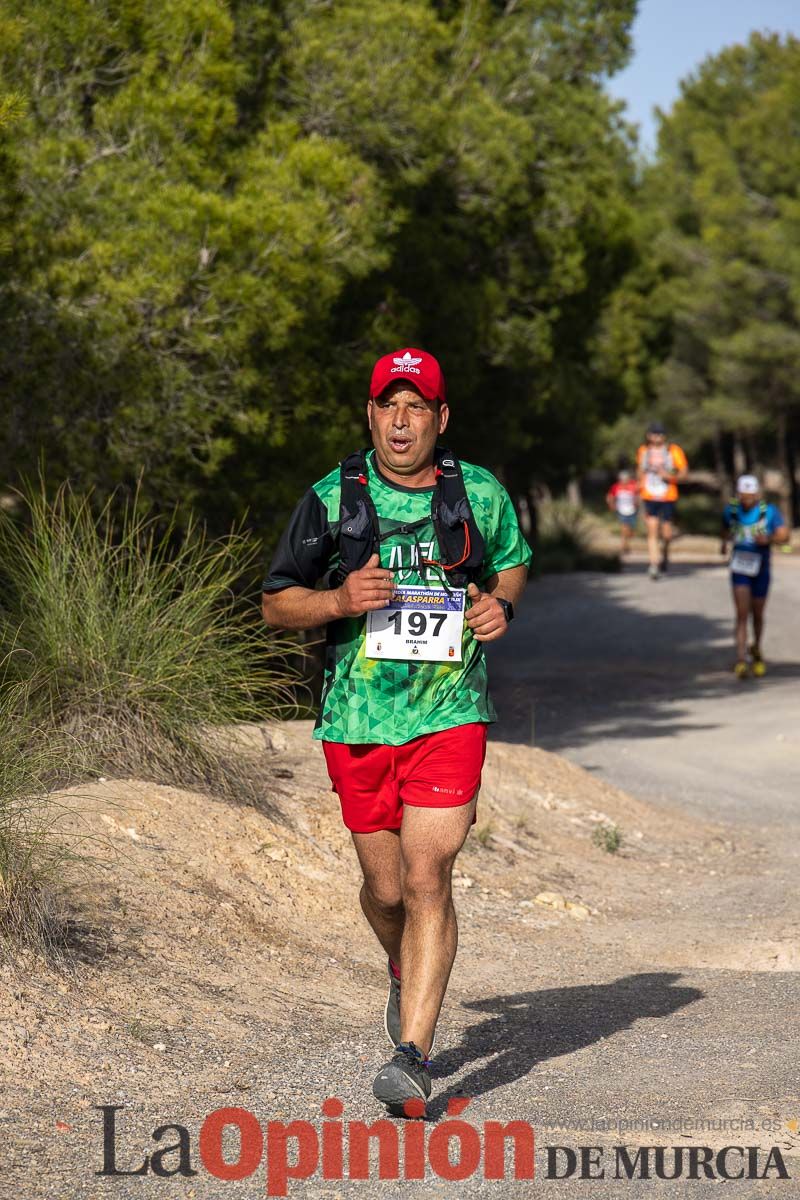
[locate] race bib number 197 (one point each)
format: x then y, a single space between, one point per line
419 624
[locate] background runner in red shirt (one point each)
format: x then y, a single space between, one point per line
623 499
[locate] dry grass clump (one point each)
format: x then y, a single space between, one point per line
128 649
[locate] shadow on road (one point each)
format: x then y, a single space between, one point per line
527 1028
616 656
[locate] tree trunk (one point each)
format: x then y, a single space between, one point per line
788 459
727 454
523 515
751 452
739 460
574 492
723 477
533 516
791 462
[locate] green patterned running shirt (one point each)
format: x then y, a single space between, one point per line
370 700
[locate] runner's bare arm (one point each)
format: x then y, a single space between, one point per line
508 585
305 608
776 538
486 617
678 474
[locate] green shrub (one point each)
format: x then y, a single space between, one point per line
33 857
608 838
133 642
564 542
483 835
699 513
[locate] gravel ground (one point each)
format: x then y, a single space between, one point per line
225 962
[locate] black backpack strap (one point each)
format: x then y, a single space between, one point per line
461 543
359 530
460 540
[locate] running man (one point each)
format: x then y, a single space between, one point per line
421 562
661 467
622 498
752 525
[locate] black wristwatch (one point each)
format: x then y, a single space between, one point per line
508 609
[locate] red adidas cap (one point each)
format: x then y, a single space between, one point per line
412 366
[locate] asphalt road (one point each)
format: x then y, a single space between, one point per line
632 679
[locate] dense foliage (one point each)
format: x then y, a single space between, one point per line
216 213
224 209
707 327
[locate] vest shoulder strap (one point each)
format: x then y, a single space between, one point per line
460 540
461 543
358 520
736 509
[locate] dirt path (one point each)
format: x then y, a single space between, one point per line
231 967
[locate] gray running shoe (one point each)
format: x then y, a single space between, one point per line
406 1077
391 1015
654 572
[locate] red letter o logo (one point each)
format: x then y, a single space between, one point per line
250 1150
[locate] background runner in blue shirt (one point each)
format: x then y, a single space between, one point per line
752 525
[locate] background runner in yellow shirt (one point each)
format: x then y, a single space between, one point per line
661 465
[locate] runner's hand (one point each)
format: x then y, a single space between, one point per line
485 618
763 539
369 587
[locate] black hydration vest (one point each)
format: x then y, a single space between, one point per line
460 541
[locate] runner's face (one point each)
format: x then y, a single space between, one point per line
748 500
404 428
655 439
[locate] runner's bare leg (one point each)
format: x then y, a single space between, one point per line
653 549
758 605
742 601
666 537
430 839
381 892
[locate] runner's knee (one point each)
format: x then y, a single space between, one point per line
384 896
427 883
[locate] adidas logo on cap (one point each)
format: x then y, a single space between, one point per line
406 364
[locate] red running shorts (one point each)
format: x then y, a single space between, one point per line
435 770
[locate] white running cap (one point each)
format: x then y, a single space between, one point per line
747 485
